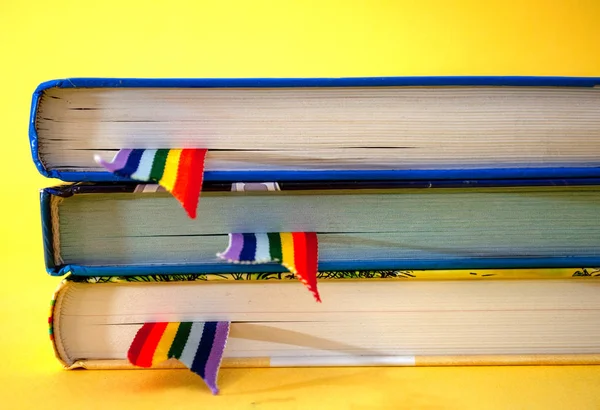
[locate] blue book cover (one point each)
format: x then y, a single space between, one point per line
84 130
108 229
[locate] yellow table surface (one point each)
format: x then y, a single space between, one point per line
42 40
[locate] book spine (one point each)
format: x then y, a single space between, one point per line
33 136
46 199
54 324
50 199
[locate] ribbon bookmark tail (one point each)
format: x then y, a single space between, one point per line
179 171
198 345
298 252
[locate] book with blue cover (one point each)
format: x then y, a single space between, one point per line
328 129
103 229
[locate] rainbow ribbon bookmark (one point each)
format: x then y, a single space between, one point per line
198 345
179 171
296 251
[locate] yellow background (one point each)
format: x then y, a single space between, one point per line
42 40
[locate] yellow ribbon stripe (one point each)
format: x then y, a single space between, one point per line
170 173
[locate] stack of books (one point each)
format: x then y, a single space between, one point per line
458 219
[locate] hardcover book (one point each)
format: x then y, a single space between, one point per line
344 128
387 318
100 229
